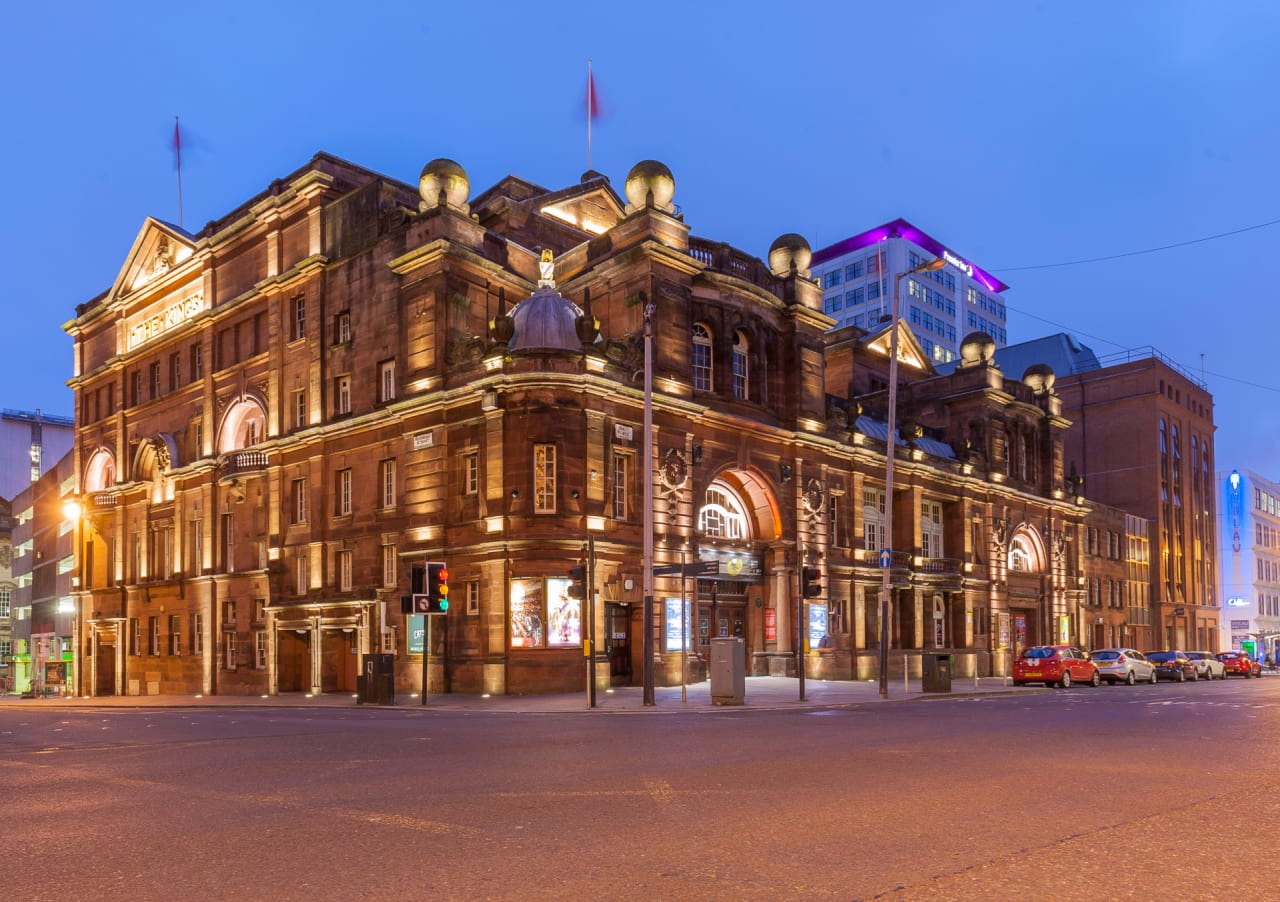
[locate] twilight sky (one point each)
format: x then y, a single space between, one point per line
1025 135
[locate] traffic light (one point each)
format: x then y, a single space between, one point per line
577 582
437 588
810 585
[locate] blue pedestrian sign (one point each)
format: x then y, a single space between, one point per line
886 555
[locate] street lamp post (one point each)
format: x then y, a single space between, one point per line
889 451
646 559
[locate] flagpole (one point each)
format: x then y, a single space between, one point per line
177 149
591 103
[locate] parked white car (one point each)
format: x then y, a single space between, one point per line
1207 665
1123 665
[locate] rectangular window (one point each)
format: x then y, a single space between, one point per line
473 597
873 290
543 614
301 574
175 634
299 410
259 610
153 372
831 279
342 493
344 571
197 633
471 472
260 650
196 532
544 479
153 636
342 328
228 544
872 519
175 371
135 636
298 494
135 388
386 381
342 395
386 484
229 649
835 524
298 320
4 603
853 271
197 362
388 566
621 485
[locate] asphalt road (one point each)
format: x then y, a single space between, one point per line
1117 792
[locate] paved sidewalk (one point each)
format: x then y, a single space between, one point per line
762 694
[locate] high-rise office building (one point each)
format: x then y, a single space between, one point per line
858 275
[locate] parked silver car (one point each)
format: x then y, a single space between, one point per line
1124 665
1207 665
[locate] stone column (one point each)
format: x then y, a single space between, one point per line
317 656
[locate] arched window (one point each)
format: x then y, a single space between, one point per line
245 426
100 475
721 515
701 358
1021 555
740 383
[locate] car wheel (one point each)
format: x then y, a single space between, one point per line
1195 676
1155 677
1096 680
1182 677
1131 678
1065 682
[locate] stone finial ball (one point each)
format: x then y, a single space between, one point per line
976 347
446 175
1039 377
786 250
650 175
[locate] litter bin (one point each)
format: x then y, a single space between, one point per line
935 673
376 683
728 672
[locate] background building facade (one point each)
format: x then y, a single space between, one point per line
30 443
1250 542
858 274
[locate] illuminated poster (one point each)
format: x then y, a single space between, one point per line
770 625
417 633
564 614
817 625
526 613
673 625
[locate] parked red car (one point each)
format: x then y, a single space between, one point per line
1239 663
1059 665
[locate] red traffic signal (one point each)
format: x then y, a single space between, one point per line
437 588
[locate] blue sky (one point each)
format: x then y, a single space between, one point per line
1021 134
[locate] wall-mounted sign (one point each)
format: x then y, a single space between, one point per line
623 432
156 324
423 440
1237 602
963 265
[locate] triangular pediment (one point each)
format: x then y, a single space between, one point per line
910 351
594 208
159 248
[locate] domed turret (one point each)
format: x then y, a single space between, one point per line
1039 378
447 177
977 347
788 253
545 321
650 178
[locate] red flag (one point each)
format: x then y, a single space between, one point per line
593 98
176 146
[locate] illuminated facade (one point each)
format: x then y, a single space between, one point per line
858 274
43 596
278 417
1250 542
